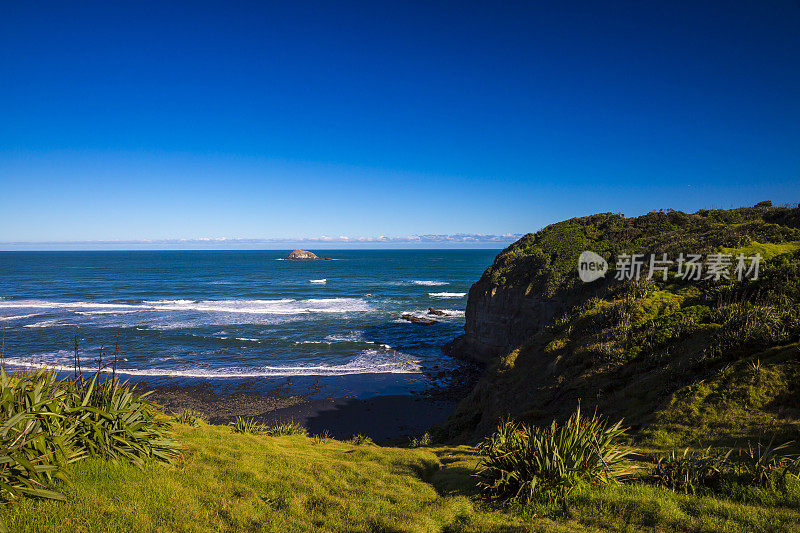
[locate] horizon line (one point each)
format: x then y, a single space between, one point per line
278 243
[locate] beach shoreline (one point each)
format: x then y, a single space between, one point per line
388 417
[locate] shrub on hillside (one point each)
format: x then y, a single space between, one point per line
424 440
525 463
760 466
287 428
359 439
189 417
689 471
763 465
46 423
247 426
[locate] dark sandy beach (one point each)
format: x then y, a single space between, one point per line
386 418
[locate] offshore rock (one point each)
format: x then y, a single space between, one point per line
304 255
417 319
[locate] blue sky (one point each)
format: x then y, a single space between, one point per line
156 121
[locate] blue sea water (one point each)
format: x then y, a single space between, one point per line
227 315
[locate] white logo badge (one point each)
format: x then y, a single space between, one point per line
591 266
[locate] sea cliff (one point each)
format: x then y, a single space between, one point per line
657 352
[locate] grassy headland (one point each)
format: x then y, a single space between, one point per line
684 362
705 374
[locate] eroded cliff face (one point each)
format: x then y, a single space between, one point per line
498 319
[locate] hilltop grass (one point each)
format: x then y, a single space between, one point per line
234 482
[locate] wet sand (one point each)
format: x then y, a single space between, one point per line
386 418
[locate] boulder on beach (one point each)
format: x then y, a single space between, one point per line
436 312
422 321
304 255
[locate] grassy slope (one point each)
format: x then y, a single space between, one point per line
227 481
685 362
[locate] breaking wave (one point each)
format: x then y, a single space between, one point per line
285 306
366 362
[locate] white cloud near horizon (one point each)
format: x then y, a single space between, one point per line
222 242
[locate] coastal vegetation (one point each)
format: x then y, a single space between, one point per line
660 404
47 424
526 463
235 482
683 362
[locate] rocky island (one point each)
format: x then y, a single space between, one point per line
304 255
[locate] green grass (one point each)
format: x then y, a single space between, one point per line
768 250
227 481
233 482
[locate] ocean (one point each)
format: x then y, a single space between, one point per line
227 316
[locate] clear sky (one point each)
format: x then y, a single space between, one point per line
300 120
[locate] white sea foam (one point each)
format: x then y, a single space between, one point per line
448 313
225 338
19 317
320 281
285 306
350 336
46 304
47 324
428 283
367 362
242 339
447 294
112 312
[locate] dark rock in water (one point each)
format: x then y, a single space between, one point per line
437 312
304 255
418 319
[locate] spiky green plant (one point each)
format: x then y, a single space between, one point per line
689 471
247 426
321 438
46 423
115 422
423 440
189 417
525 463
287 428
764 464
24 469
359 439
